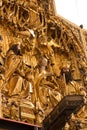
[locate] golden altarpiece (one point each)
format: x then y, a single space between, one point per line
43 58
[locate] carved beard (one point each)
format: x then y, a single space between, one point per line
68 75
17 52
15 49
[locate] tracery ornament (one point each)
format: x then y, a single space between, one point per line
42 59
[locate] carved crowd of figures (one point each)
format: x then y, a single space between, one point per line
39 67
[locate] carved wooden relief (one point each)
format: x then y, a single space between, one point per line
42 59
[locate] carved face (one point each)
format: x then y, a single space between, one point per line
44 62
29 76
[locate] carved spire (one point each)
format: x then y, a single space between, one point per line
47 5
52 6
